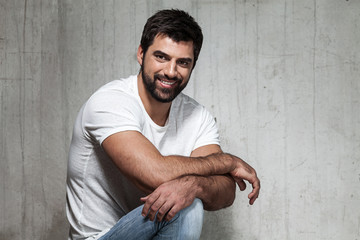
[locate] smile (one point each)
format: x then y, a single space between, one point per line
167 83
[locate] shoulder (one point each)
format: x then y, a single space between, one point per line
114 101
189 105
121 87
197 121
112 108
113 95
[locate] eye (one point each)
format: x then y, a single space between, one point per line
183 63
160 57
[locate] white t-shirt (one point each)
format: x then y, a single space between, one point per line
98 195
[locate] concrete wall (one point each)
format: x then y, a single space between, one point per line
281 77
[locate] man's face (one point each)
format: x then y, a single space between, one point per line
166 67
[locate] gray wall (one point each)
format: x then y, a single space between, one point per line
281 77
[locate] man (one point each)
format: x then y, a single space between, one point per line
140 139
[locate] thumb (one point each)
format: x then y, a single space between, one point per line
143 199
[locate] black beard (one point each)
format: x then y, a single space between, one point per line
160 94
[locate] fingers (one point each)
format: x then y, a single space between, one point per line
151 206
244 172
144 199
157 206
173 211
241 184
253 197
161 208
163 211
255 192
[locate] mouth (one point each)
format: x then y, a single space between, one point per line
167 83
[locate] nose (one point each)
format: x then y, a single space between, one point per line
171 69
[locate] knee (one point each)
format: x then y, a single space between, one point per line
197 210
192 219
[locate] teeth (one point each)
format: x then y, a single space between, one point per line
167 83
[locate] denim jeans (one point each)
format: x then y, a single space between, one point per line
186 225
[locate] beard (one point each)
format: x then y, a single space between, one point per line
163 95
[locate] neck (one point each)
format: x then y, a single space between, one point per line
157 111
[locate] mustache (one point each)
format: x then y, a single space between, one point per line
160 76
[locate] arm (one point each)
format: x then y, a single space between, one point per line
142 163
216 191
169 198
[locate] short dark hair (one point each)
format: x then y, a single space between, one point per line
177 25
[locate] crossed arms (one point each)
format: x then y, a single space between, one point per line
173 182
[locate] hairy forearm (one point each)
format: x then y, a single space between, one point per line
138 159
216 191
148 169
171 167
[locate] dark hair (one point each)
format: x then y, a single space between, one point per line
177 25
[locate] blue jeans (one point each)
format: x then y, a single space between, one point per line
187 224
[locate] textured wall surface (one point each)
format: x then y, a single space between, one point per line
281 77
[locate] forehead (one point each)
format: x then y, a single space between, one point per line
182 49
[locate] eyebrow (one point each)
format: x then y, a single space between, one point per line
158 52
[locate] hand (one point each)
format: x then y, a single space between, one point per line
169 198
244 171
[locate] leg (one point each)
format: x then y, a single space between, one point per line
187 224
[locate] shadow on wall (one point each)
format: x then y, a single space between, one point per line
59 227
218 225
8 234
58 230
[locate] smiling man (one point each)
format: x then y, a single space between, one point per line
145 159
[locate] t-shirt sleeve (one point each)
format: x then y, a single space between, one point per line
110 112
208 131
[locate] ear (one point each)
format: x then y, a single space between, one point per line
140 55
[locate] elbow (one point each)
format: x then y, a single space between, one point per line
231 198
224 198
231 194
151 177
150 182
155 181
159 174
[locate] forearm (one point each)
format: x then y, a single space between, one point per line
168 168
216 191
169 198
214 164
148 169
138 159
